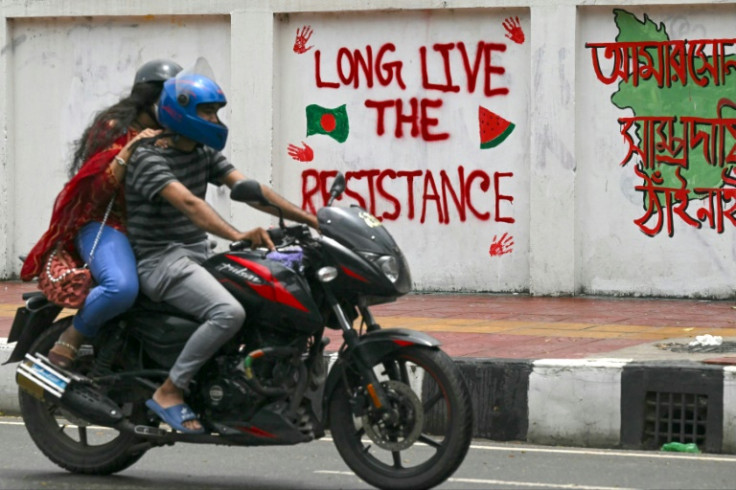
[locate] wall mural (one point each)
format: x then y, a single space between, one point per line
681 138
443 69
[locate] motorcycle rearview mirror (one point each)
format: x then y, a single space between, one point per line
249 191
338 187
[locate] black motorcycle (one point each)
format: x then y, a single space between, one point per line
396 405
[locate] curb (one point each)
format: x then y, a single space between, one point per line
600 403
604 403
8 388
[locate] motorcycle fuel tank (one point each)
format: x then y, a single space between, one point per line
272 294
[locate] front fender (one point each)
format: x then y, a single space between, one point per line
371 347
30 320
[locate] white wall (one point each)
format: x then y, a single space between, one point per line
565 204
616 255
453 250
64 70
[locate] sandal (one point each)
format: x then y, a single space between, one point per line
63 354
175 416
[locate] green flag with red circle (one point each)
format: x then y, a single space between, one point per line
332 122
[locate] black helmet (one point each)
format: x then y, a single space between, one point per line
156 71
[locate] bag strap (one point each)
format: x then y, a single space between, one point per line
99 233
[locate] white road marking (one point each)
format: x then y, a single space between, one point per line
610 452
523 484
592 452
586 452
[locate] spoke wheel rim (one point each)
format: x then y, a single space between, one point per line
390 459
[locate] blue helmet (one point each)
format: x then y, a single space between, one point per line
177 109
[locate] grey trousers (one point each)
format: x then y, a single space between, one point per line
175 276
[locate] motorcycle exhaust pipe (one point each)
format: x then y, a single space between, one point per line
38 377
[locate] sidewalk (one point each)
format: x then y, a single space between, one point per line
600 372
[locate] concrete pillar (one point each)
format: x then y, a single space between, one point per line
552 156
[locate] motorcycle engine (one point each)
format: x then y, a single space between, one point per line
229 395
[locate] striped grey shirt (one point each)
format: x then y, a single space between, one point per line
153 223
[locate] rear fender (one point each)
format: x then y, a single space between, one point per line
30 321
371 348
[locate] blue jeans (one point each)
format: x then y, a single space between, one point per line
114 270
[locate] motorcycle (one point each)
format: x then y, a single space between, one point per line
396 406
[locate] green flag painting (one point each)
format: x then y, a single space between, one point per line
332 122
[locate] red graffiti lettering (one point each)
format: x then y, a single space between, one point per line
417 117
500 197
318 73
431 195
447 189
471 73
409 175
353 65
389 194
411 118
444 50
485 184
385 72
670 62
370 176
315 182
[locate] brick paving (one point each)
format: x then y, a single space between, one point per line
522 326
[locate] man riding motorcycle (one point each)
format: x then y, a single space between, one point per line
168 224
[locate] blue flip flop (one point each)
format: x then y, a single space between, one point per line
175 416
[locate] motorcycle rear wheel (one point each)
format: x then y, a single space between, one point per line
433 436
69 442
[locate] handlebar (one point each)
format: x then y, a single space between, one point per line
279 236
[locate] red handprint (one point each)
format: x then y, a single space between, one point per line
302 38
513 27
501 246
301 154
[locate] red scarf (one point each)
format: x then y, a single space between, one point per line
82 200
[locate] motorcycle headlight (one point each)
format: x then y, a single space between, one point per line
389 266
387 263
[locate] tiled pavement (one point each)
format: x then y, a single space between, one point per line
525 327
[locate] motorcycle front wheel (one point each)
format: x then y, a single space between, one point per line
427 438
68 441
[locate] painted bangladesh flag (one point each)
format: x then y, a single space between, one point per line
332 122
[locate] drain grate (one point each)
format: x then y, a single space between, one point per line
675 417
672 402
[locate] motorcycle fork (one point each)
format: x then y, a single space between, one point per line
373 387
392 370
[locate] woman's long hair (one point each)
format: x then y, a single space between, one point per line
111 123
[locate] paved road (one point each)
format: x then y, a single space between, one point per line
318 466
558 370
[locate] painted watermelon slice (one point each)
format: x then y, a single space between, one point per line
493 128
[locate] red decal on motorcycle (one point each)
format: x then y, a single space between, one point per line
276 293
255 431
352 274
403 343
229 282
